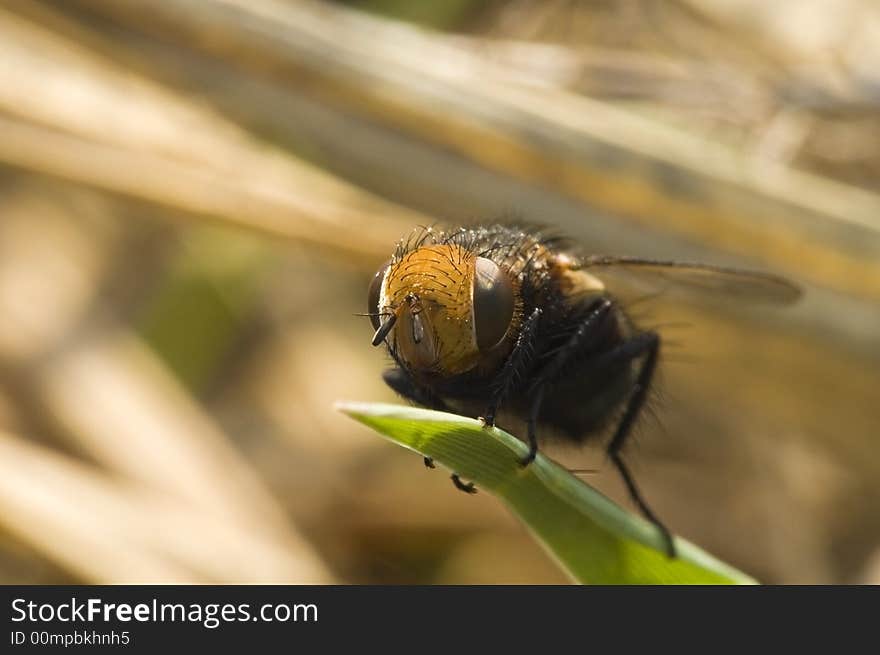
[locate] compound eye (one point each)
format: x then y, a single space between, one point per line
493 303
373 297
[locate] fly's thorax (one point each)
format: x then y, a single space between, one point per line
433 292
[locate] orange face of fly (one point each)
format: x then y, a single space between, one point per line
441 307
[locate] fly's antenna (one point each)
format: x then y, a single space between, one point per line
583 471
384 329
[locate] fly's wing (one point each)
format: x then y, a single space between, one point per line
704 279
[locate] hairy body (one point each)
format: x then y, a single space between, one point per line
508 317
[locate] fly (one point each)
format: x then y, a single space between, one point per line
505 317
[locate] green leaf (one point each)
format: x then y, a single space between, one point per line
593 539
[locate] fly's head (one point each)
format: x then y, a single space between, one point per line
441 308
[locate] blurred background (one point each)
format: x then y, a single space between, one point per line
194 195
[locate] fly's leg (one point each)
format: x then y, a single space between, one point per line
532 427
468 487
645 345
403 384
582 341
515 367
